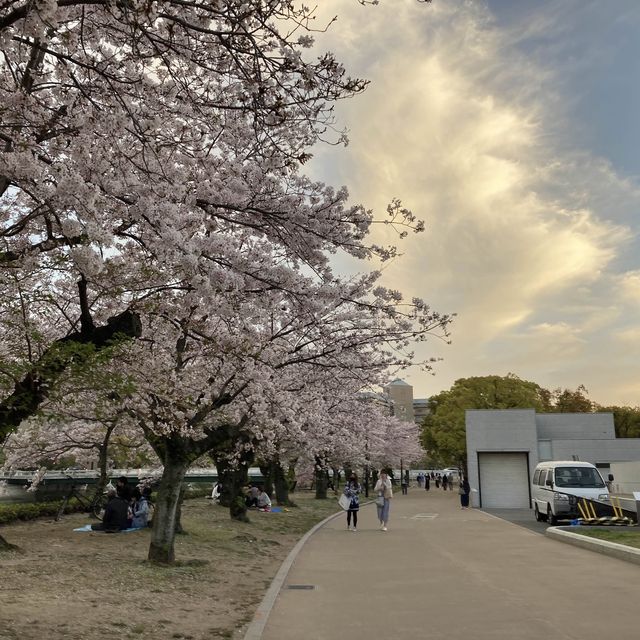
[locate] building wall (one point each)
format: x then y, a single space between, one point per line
402 397
420 410
496 431
597 451
626 477
557 436
575 426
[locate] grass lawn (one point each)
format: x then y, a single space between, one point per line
624 536
67 585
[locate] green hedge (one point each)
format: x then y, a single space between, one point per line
31 510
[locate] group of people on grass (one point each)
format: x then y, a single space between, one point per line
127 508
255 497
384 493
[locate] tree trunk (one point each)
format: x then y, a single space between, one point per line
163 533
336 477
291 477
183 492
281 483
267 469
7 546
322 481
222 467
234 479
103 478
238 479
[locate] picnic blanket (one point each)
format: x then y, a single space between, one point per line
87 527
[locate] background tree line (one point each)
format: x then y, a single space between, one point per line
443 430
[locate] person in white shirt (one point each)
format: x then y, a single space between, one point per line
264 501
385 493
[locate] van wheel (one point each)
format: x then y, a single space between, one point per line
537 514
551 519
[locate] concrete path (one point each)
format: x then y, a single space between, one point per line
451 574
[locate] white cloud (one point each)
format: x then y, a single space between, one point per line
527 233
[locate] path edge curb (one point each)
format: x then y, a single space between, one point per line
261 616
613 549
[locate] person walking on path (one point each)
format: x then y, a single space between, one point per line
427 482
404 482
385 493
464 490
352 490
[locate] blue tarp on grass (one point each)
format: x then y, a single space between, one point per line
87 527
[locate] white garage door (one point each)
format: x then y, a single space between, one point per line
504 481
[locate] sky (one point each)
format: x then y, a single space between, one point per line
509 127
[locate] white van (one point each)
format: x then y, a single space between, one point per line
559 484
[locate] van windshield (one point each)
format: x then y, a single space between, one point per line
586 477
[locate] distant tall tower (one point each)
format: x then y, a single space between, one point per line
401 394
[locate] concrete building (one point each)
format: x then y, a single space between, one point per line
401 394
420 409
504 447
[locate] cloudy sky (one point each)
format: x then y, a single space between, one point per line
511 128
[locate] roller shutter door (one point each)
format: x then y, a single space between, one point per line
504 480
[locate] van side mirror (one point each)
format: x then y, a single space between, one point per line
611 478
549 483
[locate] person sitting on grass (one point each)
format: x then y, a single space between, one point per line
123 488
140 510
115 514
264 501
252 496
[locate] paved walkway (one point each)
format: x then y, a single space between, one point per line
451 574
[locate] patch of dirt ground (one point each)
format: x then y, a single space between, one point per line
92 585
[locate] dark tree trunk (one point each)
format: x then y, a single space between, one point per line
234 479
163 532
291 477
281 482
336 477
222 467
183 492
103 456
238 508
33 389
267 470
239 477
322 480
7 546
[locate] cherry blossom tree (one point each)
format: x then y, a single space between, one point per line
150 173
203 379
125 128
82 420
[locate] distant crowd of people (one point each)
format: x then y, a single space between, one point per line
127 508
444 480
